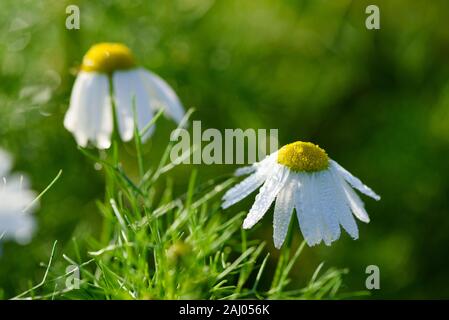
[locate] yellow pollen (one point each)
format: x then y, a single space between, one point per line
107 58
303 156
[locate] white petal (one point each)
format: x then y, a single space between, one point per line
283 210
101 120
76 117
267 194
309 221
250 184
89 116
164 96
345 217
17 226
78 90
244 170
325 189
353 181
243 189
14 197
15 182
129 87
355 203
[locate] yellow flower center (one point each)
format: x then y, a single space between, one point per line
303 156
107 58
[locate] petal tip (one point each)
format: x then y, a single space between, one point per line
278 243
247 224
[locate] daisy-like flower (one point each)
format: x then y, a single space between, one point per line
301 176
90 116
15 196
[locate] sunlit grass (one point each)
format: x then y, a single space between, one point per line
173 246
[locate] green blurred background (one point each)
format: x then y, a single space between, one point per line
376 100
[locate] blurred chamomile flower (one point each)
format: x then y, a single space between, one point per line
108 71
16 222
301 176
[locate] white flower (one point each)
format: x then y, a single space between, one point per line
14 198
301 176
90 116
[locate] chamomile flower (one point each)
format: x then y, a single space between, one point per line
15 196
301 176
109 73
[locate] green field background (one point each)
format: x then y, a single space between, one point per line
376 100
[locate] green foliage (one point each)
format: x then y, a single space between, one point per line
171 247
376 101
